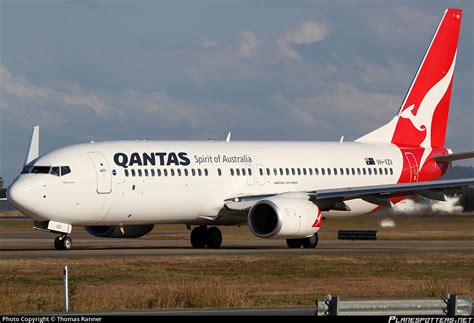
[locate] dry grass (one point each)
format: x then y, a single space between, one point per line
32 285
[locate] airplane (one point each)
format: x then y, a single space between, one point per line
121 189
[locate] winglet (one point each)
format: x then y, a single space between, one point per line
228 136
33 149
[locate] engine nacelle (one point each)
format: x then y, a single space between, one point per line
113 231
284 217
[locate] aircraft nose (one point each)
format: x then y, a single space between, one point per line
23 196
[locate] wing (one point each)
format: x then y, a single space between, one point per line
333 199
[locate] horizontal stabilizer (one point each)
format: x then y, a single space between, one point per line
453 157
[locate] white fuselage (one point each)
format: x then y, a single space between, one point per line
98 191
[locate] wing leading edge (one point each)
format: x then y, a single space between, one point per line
333 199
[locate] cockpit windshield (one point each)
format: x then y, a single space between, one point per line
53 170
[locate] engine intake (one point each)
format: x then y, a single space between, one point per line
283 217
113 231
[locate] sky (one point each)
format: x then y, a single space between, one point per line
195 70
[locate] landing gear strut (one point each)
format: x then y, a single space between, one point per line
202 236
309 242
63 242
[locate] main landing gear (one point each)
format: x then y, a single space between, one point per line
63 242
202 236
309 242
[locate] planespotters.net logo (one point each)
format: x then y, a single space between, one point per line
418 319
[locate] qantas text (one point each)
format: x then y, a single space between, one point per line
152 159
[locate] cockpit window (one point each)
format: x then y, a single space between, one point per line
26 169
55 171
40 169
65 170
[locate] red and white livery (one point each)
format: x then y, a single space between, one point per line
280 189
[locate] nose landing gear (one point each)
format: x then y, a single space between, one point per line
63 242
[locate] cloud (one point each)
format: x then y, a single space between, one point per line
402 23
343 106
308 33
19 94
20 88
87 100
248 48
208 45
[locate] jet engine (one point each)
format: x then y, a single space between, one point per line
114 231
283 217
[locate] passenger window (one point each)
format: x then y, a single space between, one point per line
363 170
316 172
369 171
329 171
165 172
281 171
54 171
186 173
323 172
146 172
353 171
206 172
140 172
298 171
335 171
347 171
260 171
304 171
133 173
158 172
199 172
293 172
310 171
375 171
126 172
172 172
358 171
386 171
179 172
152 172
342 171
391 171
380 171
243 171
237 171
250 172
287 171
231 172
268 171
219 172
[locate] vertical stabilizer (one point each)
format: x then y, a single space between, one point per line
423 116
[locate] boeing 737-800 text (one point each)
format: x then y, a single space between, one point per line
121 189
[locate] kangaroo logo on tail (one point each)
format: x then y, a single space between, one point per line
423 118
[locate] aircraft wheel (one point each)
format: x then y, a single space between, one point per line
66 243
214 238
293 243
311 242
57 243
198 237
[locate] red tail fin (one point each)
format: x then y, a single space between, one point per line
423 116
